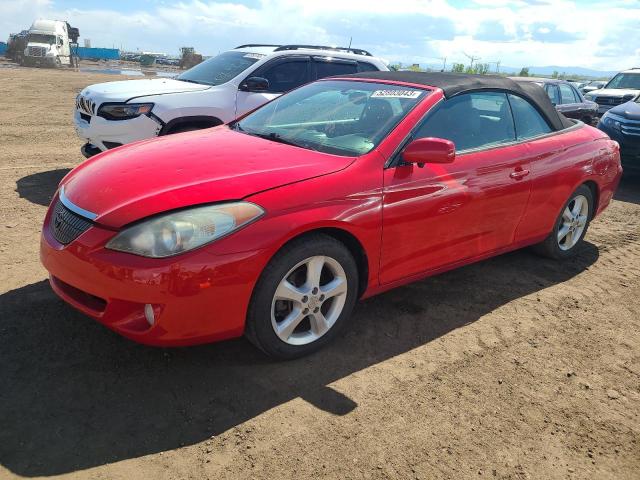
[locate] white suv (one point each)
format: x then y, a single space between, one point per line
620 89
214 92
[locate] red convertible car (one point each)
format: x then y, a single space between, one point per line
275 225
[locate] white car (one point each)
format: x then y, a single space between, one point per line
214 92
620 89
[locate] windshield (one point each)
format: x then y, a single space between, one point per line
42 38
625 80
220 69
340 117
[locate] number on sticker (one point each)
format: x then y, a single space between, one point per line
396 94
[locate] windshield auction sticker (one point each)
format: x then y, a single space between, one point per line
254 55
396 94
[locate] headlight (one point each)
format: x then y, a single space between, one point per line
589 96
123 111
612 121
184 230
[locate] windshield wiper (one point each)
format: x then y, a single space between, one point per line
190 81
274 137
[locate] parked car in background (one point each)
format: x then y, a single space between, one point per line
276 224
566 98
591 86
213 92
622 124
623 87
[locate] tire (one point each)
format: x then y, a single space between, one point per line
267 313
573 218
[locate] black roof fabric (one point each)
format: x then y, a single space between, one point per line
455 83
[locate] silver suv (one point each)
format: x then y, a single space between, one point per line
623 87
214 92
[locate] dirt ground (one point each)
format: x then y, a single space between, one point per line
516 367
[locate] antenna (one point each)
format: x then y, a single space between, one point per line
350 39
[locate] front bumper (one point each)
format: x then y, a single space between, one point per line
101 132
197 297
629 148
39 61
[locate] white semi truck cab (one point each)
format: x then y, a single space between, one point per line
49 44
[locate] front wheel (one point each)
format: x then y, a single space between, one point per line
570 227
303 297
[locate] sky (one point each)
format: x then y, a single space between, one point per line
603 35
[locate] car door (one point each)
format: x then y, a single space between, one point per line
283 74
569 105
548 163
441 214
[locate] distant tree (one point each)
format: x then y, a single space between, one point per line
394 67
524 72
482 68
555 74
457 68
415 67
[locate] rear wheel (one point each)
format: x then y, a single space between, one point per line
570 227
303 298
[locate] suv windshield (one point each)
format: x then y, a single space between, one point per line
340 117
42 38
220 69
625 80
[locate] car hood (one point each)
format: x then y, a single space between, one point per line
630 110
125 90
135 181
614 92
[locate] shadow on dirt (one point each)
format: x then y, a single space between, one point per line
40 187
75 396
629 189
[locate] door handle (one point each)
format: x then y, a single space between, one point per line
519 174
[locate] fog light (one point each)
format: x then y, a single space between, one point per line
149 314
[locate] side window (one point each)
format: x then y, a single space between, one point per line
529 122
472 120
554 95
566 93
367 67
286 76
577 95
330 69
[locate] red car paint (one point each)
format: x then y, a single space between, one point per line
435 218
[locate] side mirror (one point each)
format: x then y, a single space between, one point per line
255 84
429 150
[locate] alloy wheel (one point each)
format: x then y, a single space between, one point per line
309 300
573 222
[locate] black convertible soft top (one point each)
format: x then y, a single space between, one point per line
453 84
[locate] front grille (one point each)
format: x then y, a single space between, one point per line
630 127
36 51
609 101
66 225
85 105
85 117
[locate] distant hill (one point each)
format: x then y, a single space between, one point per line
546 71
577 71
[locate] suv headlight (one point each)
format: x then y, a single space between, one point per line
611 121
184 230
589 96
123 111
